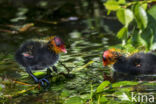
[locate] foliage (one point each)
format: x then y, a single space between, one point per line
139 22
118 92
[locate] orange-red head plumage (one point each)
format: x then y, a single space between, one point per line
110 57
57 45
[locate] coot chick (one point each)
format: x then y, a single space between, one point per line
136 64
40 54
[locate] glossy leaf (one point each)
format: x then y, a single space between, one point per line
125 16
102 86
124 83
74 100
134 40
121 1
102 99
39 73
122 34
144 6
141 17
146 38
152 12
112 5
152 25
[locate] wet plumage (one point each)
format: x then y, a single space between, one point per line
136 64
39 54
36 55
140 63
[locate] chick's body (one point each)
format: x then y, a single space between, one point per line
36 55
133 67
39 54
139 63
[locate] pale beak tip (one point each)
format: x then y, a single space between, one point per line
65 51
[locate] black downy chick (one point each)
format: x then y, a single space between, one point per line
136 64
38 55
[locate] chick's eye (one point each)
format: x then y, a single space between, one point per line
58 42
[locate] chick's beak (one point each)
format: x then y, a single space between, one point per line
64 50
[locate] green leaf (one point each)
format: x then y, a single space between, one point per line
65 93
145 5
1 87
141 17
103 99
147 38
74 100
121 1
39 73
152 11
125 16
122 34
152 25
124 83
102 86
112 5
127 89
85 96
134 40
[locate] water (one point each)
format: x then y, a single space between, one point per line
82 47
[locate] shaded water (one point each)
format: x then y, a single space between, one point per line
82 47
